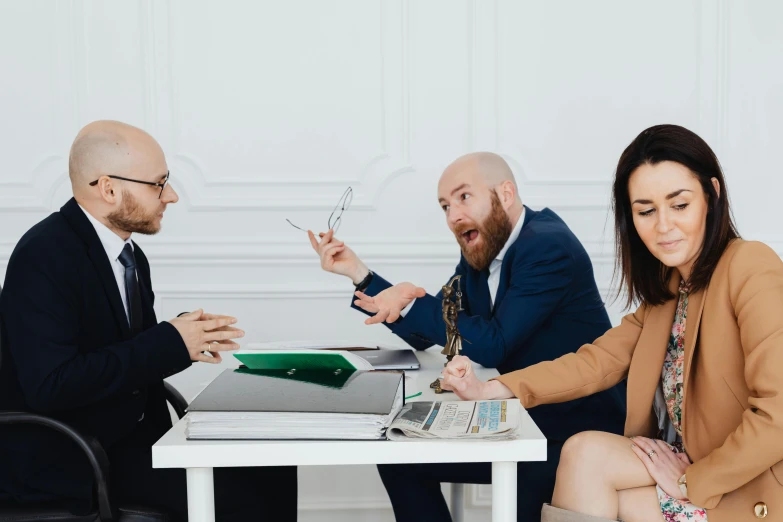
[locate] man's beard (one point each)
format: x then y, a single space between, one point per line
132 218
494 231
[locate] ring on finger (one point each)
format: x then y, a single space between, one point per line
651 453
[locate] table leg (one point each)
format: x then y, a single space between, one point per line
457 501
504 491
201 495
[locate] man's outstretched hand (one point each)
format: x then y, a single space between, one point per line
388 304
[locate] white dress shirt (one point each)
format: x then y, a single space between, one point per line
113 245
494 267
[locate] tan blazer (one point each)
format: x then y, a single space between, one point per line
732 408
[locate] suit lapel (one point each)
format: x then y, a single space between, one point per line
644 375
478 295
502 285
692 322
82 226
147 310
508 260
106 275
147 302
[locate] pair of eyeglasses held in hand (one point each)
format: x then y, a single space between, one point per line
335 218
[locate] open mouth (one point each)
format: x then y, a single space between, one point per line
470 236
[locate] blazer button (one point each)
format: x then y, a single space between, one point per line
136 393
760 509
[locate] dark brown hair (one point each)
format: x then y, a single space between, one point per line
642 275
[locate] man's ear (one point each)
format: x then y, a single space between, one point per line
108 192
507 193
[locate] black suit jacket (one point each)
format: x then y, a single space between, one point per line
68 353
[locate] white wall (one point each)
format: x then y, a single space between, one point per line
268 110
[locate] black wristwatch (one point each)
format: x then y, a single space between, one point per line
364 283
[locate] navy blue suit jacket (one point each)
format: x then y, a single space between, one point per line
68 352
547 304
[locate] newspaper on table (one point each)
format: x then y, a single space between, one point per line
464 420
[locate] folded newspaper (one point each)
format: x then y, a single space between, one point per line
465 420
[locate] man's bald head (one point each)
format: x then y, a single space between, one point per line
111 148
490 167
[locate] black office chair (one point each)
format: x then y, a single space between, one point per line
105 511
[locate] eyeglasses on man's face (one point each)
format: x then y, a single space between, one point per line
336 217
161 184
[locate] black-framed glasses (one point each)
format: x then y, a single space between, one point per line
336 217
161 184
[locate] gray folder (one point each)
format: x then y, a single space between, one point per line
368 392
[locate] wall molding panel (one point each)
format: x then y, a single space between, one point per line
269 110
205 192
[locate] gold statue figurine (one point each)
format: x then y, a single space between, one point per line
452 305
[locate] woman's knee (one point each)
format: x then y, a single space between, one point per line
582 450
604 457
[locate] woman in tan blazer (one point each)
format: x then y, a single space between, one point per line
703 355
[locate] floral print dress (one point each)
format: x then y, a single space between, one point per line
675 510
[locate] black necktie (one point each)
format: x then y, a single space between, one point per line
132 293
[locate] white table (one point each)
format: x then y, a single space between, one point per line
200 457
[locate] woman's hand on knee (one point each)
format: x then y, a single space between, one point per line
663 464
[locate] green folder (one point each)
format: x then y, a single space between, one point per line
331 378
298 360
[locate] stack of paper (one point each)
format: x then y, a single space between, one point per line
282 426
296 404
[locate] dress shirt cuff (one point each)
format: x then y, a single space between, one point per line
407 309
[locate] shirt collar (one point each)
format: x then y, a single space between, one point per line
512 237
112 243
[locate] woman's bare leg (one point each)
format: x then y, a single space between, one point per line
594 466
640 505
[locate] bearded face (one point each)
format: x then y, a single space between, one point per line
133 217
482 242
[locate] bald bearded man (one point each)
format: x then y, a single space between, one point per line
529 295
81 344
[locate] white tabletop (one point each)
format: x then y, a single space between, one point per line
173 450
